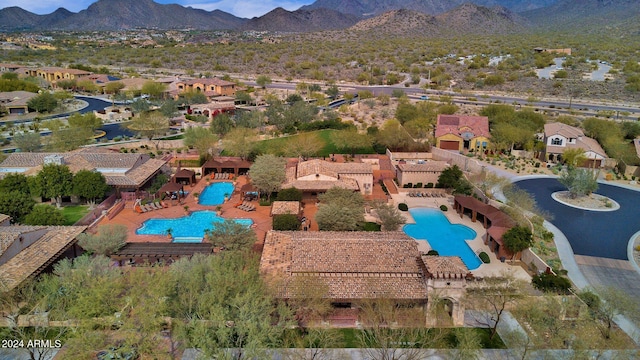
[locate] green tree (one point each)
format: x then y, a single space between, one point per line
240 142
340 210
332 91
579 182
222 124
16 204
44 214
43 103
27 142
14 182
231 235
573 157
453 178
88 120
263 81
108 239
169 108
89 185
201 139
53 181
303 145
286 222
155 90
268 173
150 125
68 139
517 239
389 216
228 292
350 140
289 194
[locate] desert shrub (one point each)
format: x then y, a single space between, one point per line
549 282
418 185
484 257
429 185
286 222
403 207
369 226
444 207
290 194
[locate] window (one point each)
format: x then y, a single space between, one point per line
556 141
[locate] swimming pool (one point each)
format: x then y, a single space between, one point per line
187 228
446 238
214 193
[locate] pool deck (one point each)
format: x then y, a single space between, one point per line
494 268
133 220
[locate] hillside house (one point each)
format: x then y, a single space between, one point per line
420 172
559 137
16 101
462 133
209 87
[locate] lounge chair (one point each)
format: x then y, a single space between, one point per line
226 176
156 205
164 204
139 209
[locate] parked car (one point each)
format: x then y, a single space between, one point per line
424 97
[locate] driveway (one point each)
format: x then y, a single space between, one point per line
591 233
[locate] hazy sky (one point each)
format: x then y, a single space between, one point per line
241 8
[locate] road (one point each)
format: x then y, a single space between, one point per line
588 109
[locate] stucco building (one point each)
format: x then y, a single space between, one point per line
351 267
559 137
421 172
459 132
320 175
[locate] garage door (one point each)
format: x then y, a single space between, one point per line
449 145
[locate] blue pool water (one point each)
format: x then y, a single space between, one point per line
214 194
187 228
446 238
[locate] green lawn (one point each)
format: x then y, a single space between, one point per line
329 148
73 213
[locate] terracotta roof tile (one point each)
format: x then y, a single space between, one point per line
459 124
285 207
353 265
39 255
445 267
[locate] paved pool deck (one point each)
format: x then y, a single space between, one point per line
494 268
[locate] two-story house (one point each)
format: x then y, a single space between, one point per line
559 137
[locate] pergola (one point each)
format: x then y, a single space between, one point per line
184 176
173 190
493 219
236 166
159 252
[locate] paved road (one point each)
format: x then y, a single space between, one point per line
591 233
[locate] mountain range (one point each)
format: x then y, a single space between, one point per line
436 16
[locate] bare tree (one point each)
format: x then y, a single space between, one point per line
493 297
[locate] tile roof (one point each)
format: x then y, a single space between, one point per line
135 168
35 258
571 132
428 166
317 166
16 98
353 265
459 124
445 267
4 217
212 81
294 171
565 130
9 234
285 207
